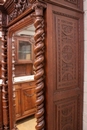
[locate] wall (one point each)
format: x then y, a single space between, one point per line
85 67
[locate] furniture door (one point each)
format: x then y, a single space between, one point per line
28 100
64 69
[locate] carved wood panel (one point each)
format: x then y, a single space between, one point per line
64 69
67 51
67 113
19 7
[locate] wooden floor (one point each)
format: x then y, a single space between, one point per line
27 124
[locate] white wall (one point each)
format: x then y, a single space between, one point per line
85 67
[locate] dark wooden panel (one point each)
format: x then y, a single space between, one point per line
64 69
23 69
66 50
67 114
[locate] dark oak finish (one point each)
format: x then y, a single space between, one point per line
64 69
5 100
58 36
39 64
23 69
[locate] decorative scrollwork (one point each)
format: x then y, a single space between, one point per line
20 7
39 64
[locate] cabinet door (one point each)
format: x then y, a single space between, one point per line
18 103
64 69
28 100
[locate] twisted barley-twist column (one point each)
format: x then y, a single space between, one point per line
5 105
13 75
39 66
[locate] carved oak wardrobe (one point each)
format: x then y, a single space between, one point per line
56 63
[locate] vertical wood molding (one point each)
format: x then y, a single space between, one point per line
1 123
39 63
5 105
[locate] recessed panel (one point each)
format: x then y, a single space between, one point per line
66 114
66 45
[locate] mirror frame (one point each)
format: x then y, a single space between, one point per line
33 14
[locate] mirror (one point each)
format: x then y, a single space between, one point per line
12 23
23 77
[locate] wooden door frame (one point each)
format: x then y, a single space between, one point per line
35 15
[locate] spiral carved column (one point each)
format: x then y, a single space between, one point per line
13 75
5 104
39 64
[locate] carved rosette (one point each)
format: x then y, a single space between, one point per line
5 81
39 64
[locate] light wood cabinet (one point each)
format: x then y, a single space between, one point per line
25 99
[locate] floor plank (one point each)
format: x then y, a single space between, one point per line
27 123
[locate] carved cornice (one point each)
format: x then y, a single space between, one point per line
19 7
